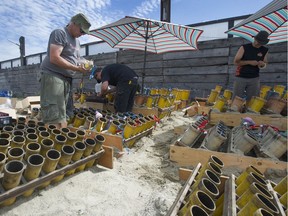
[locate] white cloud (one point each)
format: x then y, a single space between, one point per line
145 8
36 19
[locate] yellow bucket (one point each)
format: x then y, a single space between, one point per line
162 101
279 89
219 105
101 122
175 92
100 140
257 104
82 98
213 95
227 94
185 94
17 141
12 176
79 150
149 102
3 159
52 158
4 144
163 91
113 127
79 120
218 88
33 169
153 91
263 91
110 97
129 130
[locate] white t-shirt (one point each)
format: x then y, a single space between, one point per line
98 87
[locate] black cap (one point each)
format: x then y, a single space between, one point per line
262 37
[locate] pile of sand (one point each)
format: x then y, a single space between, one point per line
143 182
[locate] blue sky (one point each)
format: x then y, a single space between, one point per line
35 19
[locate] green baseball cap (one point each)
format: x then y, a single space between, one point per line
81 20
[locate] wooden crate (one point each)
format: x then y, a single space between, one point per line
183 104
94 105
104 157
116 141
183 192
145 111
235 118
177 105
185 156
164 112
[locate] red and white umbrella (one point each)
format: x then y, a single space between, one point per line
272 19
148 35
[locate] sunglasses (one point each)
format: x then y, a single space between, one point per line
81 31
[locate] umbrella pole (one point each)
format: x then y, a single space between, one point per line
144 68
144 64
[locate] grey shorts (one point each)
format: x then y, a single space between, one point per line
246 87
53 99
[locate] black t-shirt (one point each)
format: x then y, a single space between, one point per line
117 73
251 53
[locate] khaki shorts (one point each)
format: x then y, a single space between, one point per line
53 99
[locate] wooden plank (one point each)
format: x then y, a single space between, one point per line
277 57
196 62
185 156
183 104
184 174
90 104
194 78
216 52
234 119
276 200
275 77
191 110
131 141
204 109
229 205
110 140
214 69
183 192
106 159
17 191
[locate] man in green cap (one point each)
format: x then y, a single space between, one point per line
58 68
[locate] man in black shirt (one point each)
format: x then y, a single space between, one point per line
126 81
249 59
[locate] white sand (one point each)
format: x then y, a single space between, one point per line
143 182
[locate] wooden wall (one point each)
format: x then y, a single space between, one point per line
199 70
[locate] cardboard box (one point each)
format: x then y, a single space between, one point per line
6 102
90 104
27 102
10 112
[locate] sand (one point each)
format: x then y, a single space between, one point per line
143 182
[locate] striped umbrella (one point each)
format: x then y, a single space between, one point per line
272 19
148 35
